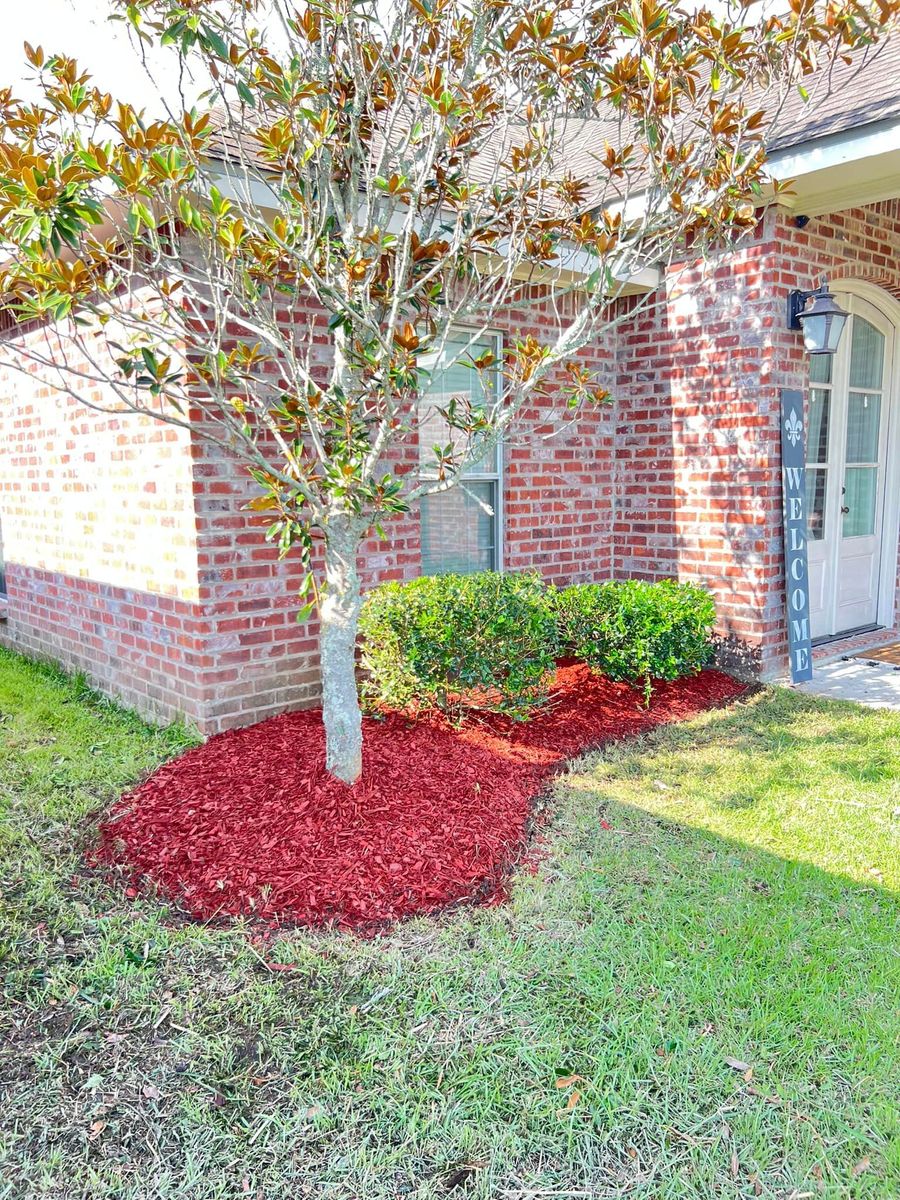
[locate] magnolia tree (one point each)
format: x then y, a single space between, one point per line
406 169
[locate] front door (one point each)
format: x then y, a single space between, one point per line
846 453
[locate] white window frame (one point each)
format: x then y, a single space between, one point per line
497 478
887 610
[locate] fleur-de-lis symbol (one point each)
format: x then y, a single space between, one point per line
793 427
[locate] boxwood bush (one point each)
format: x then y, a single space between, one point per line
456 641
637 631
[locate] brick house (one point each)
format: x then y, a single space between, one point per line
125 551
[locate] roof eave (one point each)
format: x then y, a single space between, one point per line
841 170
252 189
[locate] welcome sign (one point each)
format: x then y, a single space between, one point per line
796 568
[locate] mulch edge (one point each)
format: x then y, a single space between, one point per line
540 804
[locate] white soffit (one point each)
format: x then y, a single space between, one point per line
844 170
236 184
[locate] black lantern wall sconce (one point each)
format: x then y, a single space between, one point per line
822 323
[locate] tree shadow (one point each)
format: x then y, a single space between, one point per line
850 738
809 783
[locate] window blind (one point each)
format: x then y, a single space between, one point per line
458 533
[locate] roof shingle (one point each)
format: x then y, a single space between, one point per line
842 96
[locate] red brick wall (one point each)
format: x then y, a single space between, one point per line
140 647
98 538
106 518
557 519
698 456
94 495
698 489
857 244
681 477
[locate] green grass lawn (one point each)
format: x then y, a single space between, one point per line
698 1001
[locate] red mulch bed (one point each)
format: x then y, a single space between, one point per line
250 823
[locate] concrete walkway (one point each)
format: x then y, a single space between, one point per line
876 684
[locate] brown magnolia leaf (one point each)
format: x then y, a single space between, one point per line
863 1165
34 54
97 1128
570 1104
735 1165
737 1064
568 1080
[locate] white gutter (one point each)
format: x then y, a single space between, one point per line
840 170
835 149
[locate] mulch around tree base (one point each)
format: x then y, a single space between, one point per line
251 824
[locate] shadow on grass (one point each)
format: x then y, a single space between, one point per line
780 743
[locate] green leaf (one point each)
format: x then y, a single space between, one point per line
214 41
139 214
173 33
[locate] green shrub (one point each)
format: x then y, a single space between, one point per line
637 631
456 641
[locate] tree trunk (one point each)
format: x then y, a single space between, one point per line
337 649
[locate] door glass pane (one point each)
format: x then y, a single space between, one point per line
816 478
866 354
863 426
860 487
451 378
817 433
820 368
457 534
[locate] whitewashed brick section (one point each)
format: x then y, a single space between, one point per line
91 495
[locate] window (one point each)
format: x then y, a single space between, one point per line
461 528
861 458
817 444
